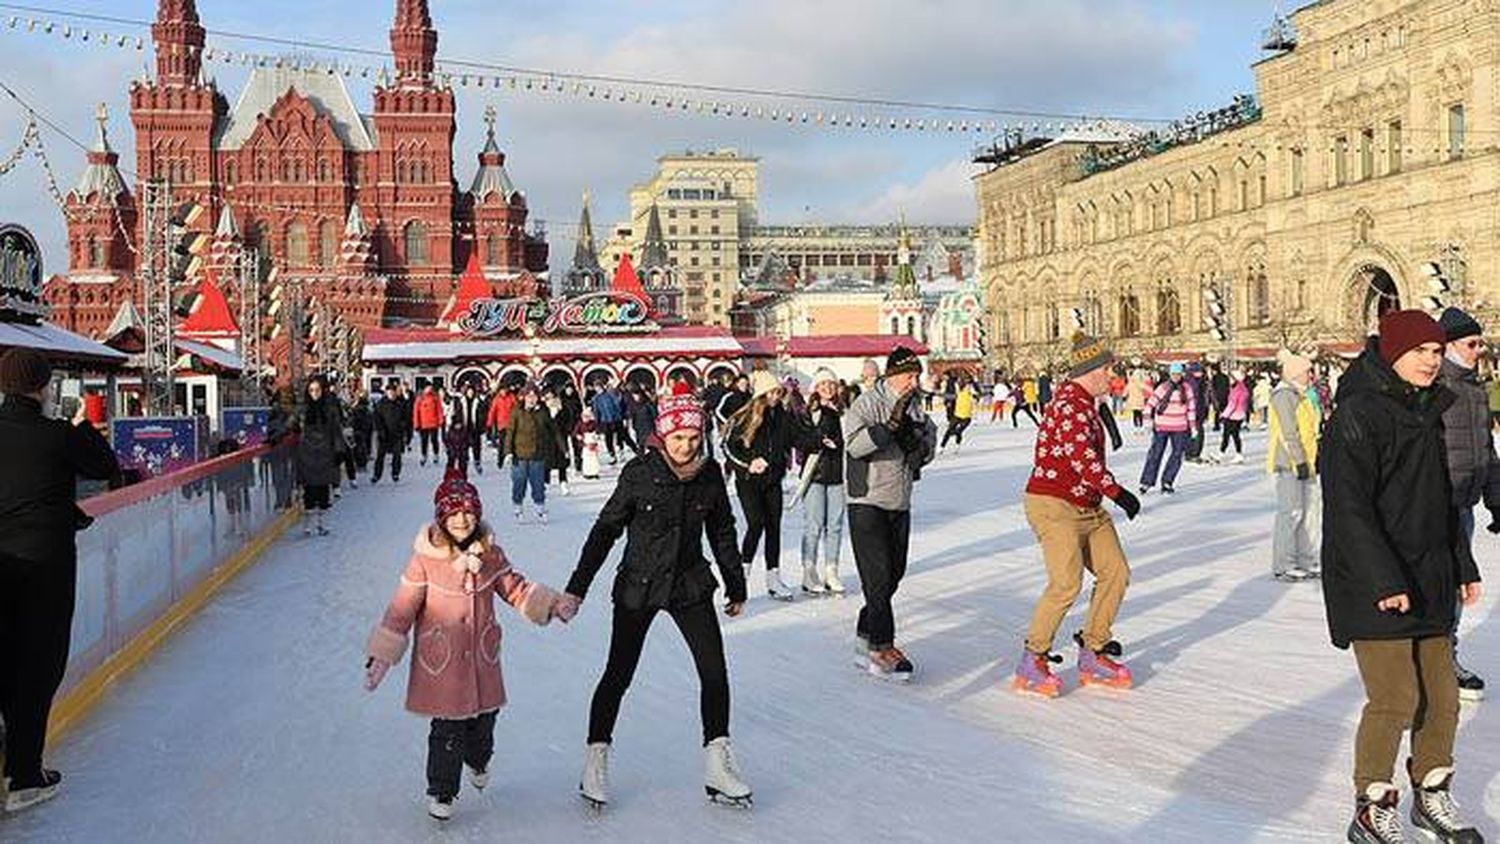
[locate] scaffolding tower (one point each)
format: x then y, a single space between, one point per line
156 284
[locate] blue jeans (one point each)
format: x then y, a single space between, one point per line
1159 442
523 472
822 518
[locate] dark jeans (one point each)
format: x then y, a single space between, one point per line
700 629
347 461
1018 410
315 497
761 501
1231 431
382 448
476 447
430 439
881 538
453 744
616 431
956 430
524 473
36 621
1159 442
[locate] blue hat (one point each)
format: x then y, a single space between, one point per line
1174 369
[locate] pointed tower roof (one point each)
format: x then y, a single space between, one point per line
904 282
472 285
127 331
224 252
227 227
210 317
356 252
585 255
654 248
491 178
101 179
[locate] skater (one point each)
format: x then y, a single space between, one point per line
427 419
587 433
1025 399
669 500
1136 391
1395 564
1473 468
497 420
447 593
962 416
38 561
998 400
391 421
318 454
609 413
758 443
362 426
456 445
1232 417
822 436
1261 399
1197 382
471 410
1174 416
1292 456
529 441
642 416
1069 480
888 439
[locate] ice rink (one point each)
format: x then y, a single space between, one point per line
251 723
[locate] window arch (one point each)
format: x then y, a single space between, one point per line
96 253
415 238
1130 314
895 325
325 171
492 250
296 244
1259 300
231 172
911 326
1168 310
328 242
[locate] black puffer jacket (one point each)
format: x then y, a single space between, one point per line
322 443
823 424
772 442
1388 525
391 421
1472 465
42 459
667 518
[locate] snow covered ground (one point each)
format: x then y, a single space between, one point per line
251 724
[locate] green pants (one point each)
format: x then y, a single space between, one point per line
1409 684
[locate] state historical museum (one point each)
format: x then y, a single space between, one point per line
364 209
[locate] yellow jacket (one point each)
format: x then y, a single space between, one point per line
1284 453
963 403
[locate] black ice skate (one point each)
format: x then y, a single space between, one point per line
1434 812
1377 816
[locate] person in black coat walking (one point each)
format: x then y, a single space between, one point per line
42 459
319 451
1395 564
392 422
362 423
668 499
758 444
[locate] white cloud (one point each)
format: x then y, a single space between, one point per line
943 194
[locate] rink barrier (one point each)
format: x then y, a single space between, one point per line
157 552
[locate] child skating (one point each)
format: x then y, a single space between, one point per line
447 593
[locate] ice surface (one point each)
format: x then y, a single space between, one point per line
251 724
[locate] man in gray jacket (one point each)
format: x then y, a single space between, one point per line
1292 458
1472 466
888 439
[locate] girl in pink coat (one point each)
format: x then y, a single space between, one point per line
447 593
1236 411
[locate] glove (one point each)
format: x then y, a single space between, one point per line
900 412
1128 503
375 669
566 607
1303 471
908 437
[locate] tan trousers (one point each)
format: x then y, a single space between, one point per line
1075 539
1409 684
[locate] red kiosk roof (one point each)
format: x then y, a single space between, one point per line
210 317
471 285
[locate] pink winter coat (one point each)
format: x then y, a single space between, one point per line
450 598
1173 407
1237 409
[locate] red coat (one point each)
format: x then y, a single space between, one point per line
455 666
1070 450
500 409
427 412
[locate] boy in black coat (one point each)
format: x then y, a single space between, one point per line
1395 565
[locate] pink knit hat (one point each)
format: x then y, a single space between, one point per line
677 413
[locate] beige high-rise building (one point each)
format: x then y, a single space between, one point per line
1369 153
706 202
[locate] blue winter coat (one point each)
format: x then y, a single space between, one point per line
606 407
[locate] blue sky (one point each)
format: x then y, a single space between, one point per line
1154 59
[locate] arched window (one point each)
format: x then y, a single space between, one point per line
325 171
96 253
895 325
492 250
260 170
231 172
415 237
1259 299
328 242
296 244
1168 311
1130 315
911 326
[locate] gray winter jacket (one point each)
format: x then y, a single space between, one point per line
879 473
1285 455
1472 466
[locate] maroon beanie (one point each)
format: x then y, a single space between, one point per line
1402 331
456 495
23 371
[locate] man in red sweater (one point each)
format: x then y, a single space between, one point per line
1063 497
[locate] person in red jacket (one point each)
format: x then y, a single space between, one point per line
498 421
427 419
1067 484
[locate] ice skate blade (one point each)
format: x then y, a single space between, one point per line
1048 691
25 798
888 676
1119 683
1422 833
440 811
596 805
784 598
719 798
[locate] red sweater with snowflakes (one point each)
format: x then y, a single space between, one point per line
1070 451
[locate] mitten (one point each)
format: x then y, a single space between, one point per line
1303 471
375 669
1128 503
566 607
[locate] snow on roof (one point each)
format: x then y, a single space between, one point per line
325 91
1098 132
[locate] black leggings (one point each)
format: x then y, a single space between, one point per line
956 430
700 629
36 615
453 744
761 501
430 438
1231 430
1018 410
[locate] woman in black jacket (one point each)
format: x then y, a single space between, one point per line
758 444
668 499
319 452
821 437
1395 565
